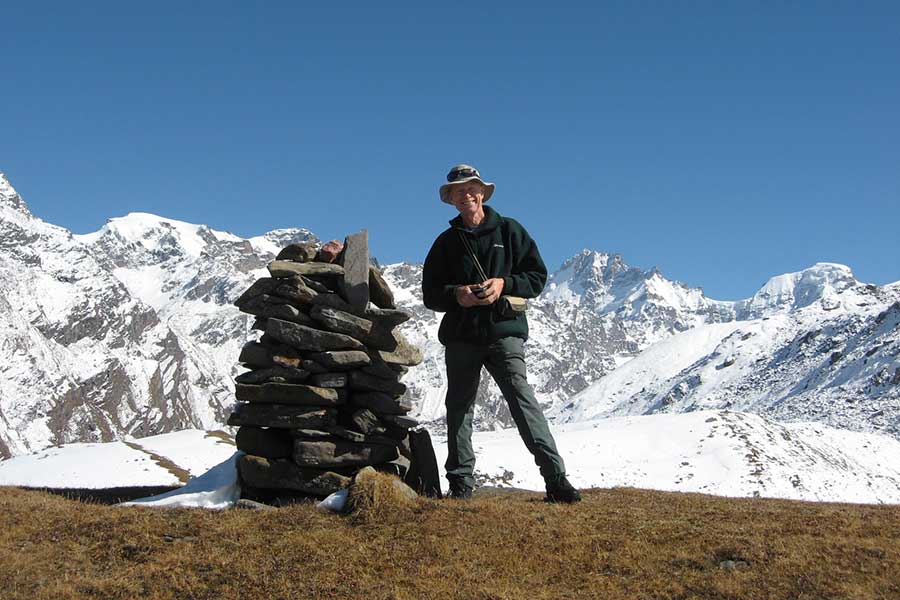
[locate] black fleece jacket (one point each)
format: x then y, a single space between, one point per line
505 250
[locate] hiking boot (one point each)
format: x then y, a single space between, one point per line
460 491
560 490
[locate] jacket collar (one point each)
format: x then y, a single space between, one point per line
490 223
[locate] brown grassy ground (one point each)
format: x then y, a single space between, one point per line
620 543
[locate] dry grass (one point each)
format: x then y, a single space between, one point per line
620 543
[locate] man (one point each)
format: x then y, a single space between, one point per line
476 334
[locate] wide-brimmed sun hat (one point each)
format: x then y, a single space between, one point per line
464 174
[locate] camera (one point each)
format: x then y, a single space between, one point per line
478 290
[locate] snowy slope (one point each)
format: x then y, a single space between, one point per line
164 460
715 452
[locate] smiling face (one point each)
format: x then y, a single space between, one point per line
468 198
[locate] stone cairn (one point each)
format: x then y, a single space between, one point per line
323 397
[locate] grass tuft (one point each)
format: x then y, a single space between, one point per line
378 497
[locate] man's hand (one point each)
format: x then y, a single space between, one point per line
491 290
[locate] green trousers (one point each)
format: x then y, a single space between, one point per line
505 361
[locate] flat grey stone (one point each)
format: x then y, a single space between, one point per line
295 290
379 403
367 422
302 252
260 472
309 434
346 434
276 374
341 360
379 368
340 453
283 268
270 443
329 380
312 366
386 317
261 286
380 293
307 338
283 416
403 421
354 286
316 286
339 321
256 354
274 307
288 393
365 382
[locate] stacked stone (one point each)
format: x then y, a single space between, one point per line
323 396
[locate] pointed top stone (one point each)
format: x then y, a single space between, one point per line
355 285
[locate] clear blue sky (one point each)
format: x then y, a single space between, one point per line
724 142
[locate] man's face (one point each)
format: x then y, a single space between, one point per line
467 197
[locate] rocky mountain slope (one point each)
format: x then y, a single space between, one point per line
130 331
813 346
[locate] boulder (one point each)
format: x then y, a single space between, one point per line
283 268
341 360
340 453
288 393
379 403
354 285
260 472
303 252
380 293
306 338
270 443
405 353
330 251
282 416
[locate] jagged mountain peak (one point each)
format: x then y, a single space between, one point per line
10 198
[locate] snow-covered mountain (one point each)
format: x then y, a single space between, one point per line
811 346
130 331
714 452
